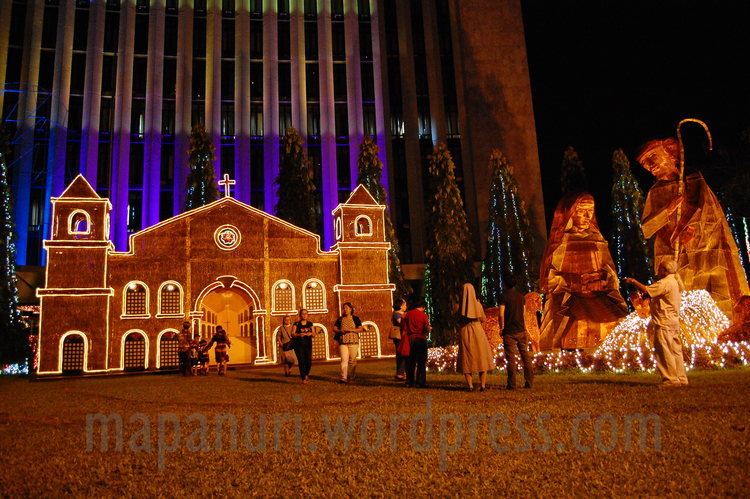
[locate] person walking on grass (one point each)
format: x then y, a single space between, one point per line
303 333
346 333
515 337
285 342
665 322
221 352
473 348
415 327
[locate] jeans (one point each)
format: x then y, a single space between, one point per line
348 361
416 364
400 361
303 351
515 343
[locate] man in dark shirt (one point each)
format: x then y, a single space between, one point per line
515 338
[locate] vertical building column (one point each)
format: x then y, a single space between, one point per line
467 153
299 76
213 80
434 74
327 120
5 11
121 129
27 100
92 93
58 130
242 100
183 102
353 86
380 75
270 103
417 219
154 91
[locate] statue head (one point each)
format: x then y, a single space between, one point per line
582 213
660 158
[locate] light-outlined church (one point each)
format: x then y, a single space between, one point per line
225 263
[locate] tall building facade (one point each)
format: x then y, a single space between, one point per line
112 88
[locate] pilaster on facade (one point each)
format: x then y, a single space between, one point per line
327 120
183 102
242 165
153 127
270 103
92 92
354 87
213 80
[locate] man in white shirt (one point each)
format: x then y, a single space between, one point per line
665 322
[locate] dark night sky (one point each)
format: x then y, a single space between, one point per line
608 74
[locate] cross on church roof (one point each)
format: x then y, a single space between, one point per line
226 183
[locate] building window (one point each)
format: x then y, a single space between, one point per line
135 300
363 226
314 296
170 299
73 353
282 297
79 222
134 351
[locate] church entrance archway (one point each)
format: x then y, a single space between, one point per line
234 306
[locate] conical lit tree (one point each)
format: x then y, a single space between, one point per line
572 173
296 202
510 240
370 173
13 341
449 253
629 248
201 182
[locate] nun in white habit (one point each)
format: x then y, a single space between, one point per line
473 348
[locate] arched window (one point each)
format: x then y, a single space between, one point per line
167 344
170 300
369 340
314 296
282 297
134 351
135 300
320 347
339 228
73 351
363 226
79 223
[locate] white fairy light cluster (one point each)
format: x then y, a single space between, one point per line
629 348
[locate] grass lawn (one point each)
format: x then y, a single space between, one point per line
567 436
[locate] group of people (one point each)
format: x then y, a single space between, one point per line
296 343
193 352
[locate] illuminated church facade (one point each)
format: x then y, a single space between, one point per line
225 263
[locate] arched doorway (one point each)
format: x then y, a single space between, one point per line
234 306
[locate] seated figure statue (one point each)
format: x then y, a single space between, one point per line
708 257
578 276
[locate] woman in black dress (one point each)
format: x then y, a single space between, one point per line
303 333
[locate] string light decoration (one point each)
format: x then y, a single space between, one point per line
370 172
509 236
13 341
630 250
628 347
201 184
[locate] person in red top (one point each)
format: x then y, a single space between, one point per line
415 326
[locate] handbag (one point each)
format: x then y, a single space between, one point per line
395 333
289 345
